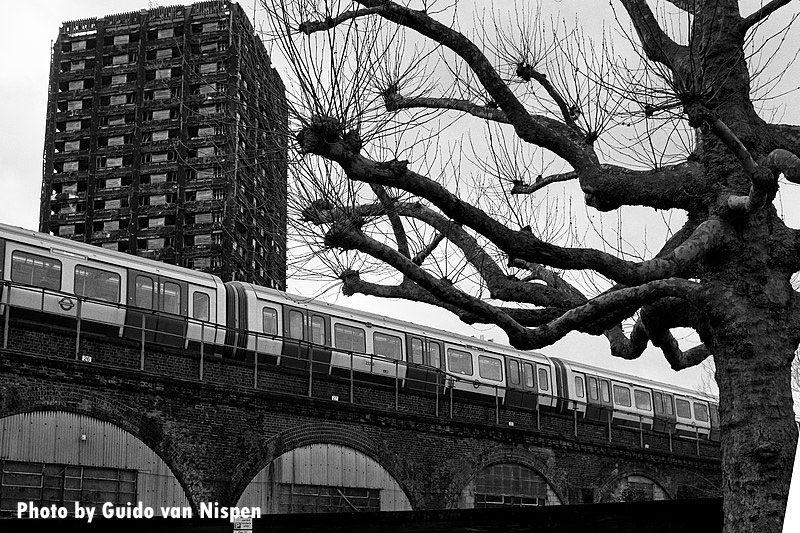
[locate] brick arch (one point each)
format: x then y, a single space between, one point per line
318 433
506 455
30 399
616 476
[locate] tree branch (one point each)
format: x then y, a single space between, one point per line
765 11
309 27
690 6
541 131
320 138
395 102
657 45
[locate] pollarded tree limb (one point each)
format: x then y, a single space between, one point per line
309 27
786 136
407 290
391 212
656 43
320 137
765 11
658 318
690 6
678 186
347 236
784 162
499 285
541 131
395 102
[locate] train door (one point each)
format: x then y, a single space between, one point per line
306 334
664 409
544 385
163 305
424 358
521 388
598 398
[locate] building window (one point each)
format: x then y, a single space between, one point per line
509 485
36 270
47 484
294 498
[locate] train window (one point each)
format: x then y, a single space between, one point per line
527 373
435 353
144 294
459 362
668 404
642 399
416 351
201 305
350 338
98 284
269 321
683 408
604 392
593 389
171 298
295 325
490 368
579 387
387 346
36 270
659 402
622 396
543 379
513 372
701 412
318 335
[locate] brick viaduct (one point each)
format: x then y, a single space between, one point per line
217 433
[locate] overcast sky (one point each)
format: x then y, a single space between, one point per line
26 44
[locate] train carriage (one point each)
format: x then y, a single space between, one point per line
108 290
118 293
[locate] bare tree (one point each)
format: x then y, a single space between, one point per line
467 222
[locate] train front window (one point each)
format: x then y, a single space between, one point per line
171 298
387 346
318 330
36 270
350 338
200 305
459 362
622 396
490 368
683 409
144 294
642 399
700 412
97 284
269 321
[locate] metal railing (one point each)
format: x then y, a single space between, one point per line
445 386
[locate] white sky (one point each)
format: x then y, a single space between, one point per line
26 38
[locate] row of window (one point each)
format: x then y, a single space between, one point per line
152 35
90 282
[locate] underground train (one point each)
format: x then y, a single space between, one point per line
137 298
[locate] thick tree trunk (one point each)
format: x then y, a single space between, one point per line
759 436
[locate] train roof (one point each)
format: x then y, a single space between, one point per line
70 247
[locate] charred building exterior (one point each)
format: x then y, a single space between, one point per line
166 137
